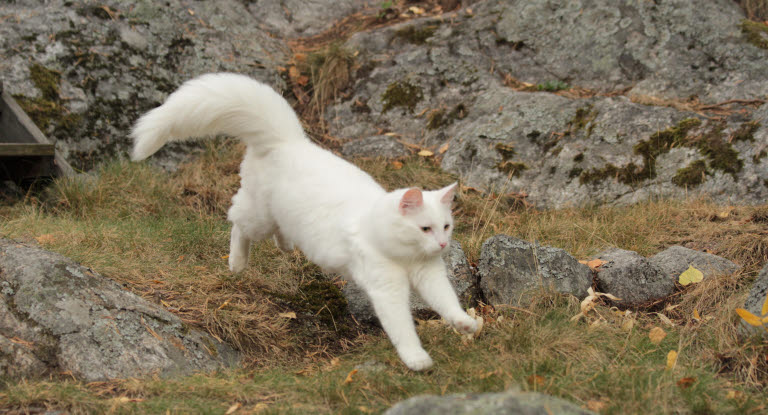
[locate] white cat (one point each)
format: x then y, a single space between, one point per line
305 196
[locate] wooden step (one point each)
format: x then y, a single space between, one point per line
26 149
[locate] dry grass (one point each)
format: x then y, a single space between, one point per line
165 236
756 10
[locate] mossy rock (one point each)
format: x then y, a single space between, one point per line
417 35
47 109
507 151
691 176
401 94
756 33
513 169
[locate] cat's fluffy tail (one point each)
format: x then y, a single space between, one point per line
221 103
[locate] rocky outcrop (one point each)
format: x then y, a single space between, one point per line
58 316
486 84
674 260
510 268
459 274
509 402
632 278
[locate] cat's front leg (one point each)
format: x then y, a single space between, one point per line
389 291
431 282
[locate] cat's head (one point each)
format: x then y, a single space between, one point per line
422 223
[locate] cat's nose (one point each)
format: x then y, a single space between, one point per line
443 244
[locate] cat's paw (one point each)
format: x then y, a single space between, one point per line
465 324
416 360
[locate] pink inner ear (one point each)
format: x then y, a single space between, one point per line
412 199
447 197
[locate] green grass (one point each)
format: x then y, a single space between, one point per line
163 235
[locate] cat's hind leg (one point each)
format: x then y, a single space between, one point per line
251 222
281 243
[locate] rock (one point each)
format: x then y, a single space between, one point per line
459 274
509 402
300 18
122 59
633 278
483 84
509 268
375 146
676 259
755 301
58 316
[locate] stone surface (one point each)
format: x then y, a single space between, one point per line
510 402
676 259
656 59
511 268
58 316
755 301
459 274
377 146
633 278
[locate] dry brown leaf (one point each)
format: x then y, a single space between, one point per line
426 153
665 319
232 409
397 165
536 380
657 334
593 264
671 359
45 239
686 383
696 315
289 315
443 148
597 405
416 10
348 379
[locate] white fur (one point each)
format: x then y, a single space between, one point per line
304 196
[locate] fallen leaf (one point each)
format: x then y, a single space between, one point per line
348 380
750 318
45 239
536 380
289 315
232 409
191 12
397 165
426 153
690 276
443 148
597 405
732 394
657 334
665 319
224 256
671 359
294 72
469 11
593 264
416 10
391 134
628 324
686 383
696 315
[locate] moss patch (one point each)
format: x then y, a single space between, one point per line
401 94
47 109
691 176
552 86
417 35
720 154
746 132
507 151
512 168
583 118
756 33
439 118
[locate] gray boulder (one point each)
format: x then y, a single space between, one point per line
633 278
58 316
674 260
755 301
510 268
509 402
375 146
459 274
483 85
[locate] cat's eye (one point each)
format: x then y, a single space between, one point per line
446 227
426 229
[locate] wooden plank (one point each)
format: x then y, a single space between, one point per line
27 149
14 122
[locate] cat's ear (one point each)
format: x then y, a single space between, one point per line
411 201
447 192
